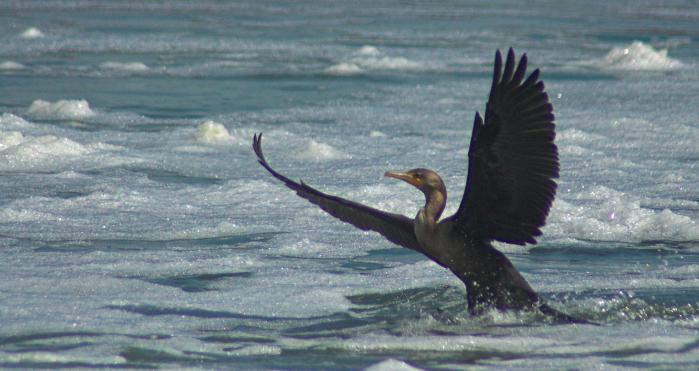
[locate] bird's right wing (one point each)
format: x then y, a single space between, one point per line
396 228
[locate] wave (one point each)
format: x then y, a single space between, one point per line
368 50
318 151
31 33
9 121
19 152
61 109
392 364
638 56
615 216
11 66
371 58
122 66
212 132
344 69
20 215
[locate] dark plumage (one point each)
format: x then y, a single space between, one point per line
509 190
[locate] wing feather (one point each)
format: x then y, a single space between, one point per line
512 159
394 227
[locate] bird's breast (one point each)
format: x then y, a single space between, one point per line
424 230
431 237
439 242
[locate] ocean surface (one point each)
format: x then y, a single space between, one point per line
138 231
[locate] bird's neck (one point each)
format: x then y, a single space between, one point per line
434 206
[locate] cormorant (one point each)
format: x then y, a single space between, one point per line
509 190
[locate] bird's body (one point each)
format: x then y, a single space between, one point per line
490 279
509 191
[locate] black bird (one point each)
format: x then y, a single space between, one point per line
509 190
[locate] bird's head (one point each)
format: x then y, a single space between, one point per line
425 180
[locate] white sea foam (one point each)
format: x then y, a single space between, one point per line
61 109
10 139
392 365
388 63
574 150
218 230
31 33
305 247
344 69
124 66
613 216
53 358
11 66
9 121
368 50
574 135
20 152
370 58
318 151
638 56
446 344
212 132
47 145
24 215
257 350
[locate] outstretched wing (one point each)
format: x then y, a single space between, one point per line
396 228
512 159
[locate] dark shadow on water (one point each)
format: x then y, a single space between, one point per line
197 282
29 338
172 177
220 242
154 310
58 342
155 174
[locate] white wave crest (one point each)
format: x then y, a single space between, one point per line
122 66
368 50
24 215
31 33
344 69
9 121
615 216
638 56
11 66
370 58
318 151
20 152
61 109
212 132
10 139
392 365
16 144
388 63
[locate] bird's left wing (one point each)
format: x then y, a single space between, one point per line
396 228
512 159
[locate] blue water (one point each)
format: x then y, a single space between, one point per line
137 229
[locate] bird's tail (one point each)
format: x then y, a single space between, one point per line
560 317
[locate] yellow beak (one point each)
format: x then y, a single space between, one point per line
403 176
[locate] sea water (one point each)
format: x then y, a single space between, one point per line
138 230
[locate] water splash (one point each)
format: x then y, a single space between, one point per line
638 56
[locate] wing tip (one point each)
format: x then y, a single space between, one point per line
257 146
477 119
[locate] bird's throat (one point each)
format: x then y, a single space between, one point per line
434 206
